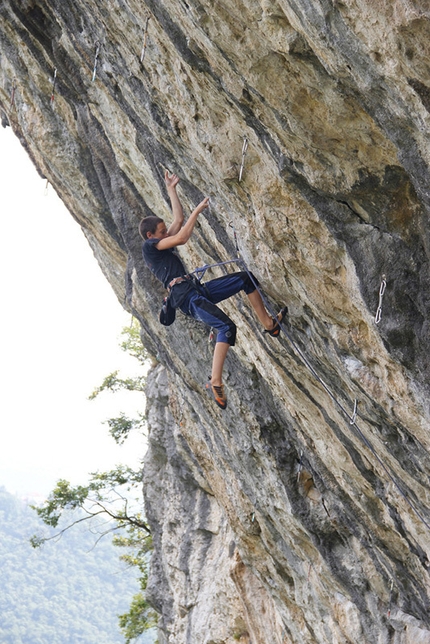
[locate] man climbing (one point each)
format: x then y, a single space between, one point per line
188 294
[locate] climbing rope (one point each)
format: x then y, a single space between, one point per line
382 288
96 59
199 272
301 354
352 419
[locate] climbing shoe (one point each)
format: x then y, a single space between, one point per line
276 329
217 393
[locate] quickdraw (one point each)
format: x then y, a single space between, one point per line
354 413
96 59
382 288
244 151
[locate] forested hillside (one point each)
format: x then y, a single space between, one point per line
67 592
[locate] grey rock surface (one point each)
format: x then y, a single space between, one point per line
277 520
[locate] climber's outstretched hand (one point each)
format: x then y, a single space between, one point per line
171 180
202 205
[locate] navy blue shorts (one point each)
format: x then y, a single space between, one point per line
200 304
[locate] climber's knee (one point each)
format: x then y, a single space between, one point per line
227 333
250 282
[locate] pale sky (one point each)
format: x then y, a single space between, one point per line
59 337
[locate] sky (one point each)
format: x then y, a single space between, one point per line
60 329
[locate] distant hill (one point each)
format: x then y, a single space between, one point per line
67 592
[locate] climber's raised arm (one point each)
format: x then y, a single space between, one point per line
170 241
172 181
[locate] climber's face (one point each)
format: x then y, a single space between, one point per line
160 232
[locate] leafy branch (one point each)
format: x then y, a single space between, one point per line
107 495
121 426
141 616
98 497
113 384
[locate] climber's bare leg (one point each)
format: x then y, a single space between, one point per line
220 354
260 310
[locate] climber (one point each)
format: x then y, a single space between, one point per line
191 296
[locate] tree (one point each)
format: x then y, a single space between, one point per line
141 616
121 426
107 495
101 497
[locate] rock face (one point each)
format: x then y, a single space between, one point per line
301 513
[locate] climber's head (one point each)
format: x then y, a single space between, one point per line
152 228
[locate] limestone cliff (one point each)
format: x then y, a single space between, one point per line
288 518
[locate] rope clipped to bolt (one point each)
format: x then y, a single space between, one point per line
382 288
352 419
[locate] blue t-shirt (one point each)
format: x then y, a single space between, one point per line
164 264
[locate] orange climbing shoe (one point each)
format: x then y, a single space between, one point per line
276 329
217 393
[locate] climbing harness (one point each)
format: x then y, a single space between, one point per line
54 81
382 288
96 59
244 151
145 34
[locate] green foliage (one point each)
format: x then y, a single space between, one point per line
122 475
62 497
120 427
141 616
59 595
107 496
103 495
113 384
140 543
133 346
133 343
138 619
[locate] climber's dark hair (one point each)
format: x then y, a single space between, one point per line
149 225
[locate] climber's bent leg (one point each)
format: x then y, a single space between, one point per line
205 311
224 287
